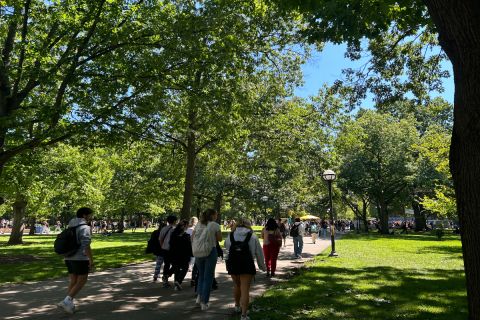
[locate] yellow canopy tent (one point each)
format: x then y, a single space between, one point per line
309 217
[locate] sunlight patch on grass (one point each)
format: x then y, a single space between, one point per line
375 277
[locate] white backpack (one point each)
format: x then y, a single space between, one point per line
200 246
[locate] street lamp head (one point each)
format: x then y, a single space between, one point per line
264 198
329 175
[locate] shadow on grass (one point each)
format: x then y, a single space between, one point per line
368 293
454 252
420 236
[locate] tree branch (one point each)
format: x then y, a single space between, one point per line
23 44
206 144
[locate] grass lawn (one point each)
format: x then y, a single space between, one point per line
375 277
36 260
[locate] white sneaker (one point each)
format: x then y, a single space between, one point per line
204 306
245 318
197 301
66 306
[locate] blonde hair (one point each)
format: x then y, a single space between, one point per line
243 222
193 221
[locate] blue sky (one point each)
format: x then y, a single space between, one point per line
326 67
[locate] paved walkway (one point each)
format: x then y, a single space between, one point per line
129 293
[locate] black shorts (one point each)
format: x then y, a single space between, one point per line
78 267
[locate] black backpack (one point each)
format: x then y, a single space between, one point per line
67 242
294 231
240 260
153 244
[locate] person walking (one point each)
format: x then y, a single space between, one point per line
192 267
180 252
58 227
296 232
272 241
164 238
204 239
314 231
243 247
154 247
283 230
81 262
324 227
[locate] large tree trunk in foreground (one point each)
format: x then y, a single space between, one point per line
458 24
18 214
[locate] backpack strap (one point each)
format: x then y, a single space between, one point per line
165 235
76 230
249 235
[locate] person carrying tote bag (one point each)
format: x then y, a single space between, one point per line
204 239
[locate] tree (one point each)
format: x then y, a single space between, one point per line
433 149
376 159
67 67
41 184
233 66
144 179
456 23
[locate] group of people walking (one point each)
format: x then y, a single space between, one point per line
184 245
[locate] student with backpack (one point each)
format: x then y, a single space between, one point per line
296 232
243 247
79 261
204 238
153 246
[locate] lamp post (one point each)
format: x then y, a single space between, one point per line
329 176
264 199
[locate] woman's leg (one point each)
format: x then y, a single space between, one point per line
208 275
245 281
274 257
236 289
266 254
200 263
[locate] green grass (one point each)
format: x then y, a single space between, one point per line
36 260
375 277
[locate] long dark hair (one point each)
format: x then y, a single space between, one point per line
207 216
271 225
180 228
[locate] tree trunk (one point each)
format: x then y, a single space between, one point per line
189 176
364 215
383 215
458 25
32 227
419 215
217 205
18 214
199 206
